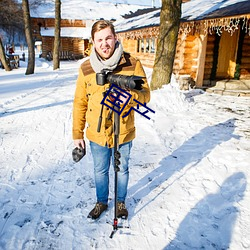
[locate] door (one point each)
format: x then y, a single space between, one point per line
227 55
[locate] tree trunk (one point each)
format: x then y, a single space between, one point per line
168 34
56 59
28 33
3 57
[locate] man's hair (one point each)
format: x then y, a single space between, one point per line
101 24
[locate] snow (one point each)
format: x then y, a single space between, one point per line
145 20
155 3
189 169
86 10
192 10
84 33
197 9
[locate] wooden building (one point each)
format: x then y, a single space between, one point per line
77 19
75 36
212 45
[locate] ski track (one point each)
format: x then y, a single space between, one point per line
177 166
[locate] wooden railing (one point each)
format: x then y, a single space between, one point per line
64 55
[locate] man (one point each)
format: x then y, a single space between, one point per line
107 54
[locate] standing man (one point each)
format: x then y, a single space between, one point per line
107 54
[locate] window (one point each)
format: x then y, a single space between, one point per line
146 45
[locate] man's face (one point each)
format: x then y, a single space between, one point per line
104 42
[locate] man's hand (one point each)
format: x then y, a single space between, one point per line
79 151
79 143
122 97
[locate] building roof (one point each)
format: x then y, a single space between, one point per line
140 21
85 10
208 9
232 10
77 32
193 10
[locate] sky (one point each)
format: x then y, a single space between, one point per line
189 169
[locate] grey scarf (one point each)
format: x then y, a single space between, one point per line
98 64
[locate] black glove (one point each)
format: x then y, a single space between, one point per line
78 153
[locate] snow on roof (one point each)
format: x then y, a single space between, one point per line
192 10
79 32
85 10
145 20
197 9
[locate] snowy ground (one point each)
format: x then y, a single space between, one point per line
189 170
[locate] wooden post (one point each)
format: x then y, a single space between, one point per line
201 60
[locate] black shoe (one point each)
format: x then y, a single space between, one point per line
122 211
97 210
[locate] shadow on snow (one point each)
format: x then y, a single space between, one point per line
23 110
210 223
189 155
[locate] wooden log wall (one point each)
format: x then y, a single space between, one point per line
73 45
185 59
131 46
66 44
209 57
146 59
245 60
50 22
47 45
79 46
190 56
178 61
186 55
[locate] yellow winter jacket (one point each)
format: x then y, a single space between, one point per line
87 104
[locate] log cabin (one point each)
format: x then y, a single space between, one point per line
213 41
74 37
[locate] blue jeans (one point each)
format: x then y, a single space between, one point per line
102 158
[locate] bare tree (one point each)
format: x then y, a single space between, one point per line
56 59
11 24
36 3
11 17
168 34
28 33
3 57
